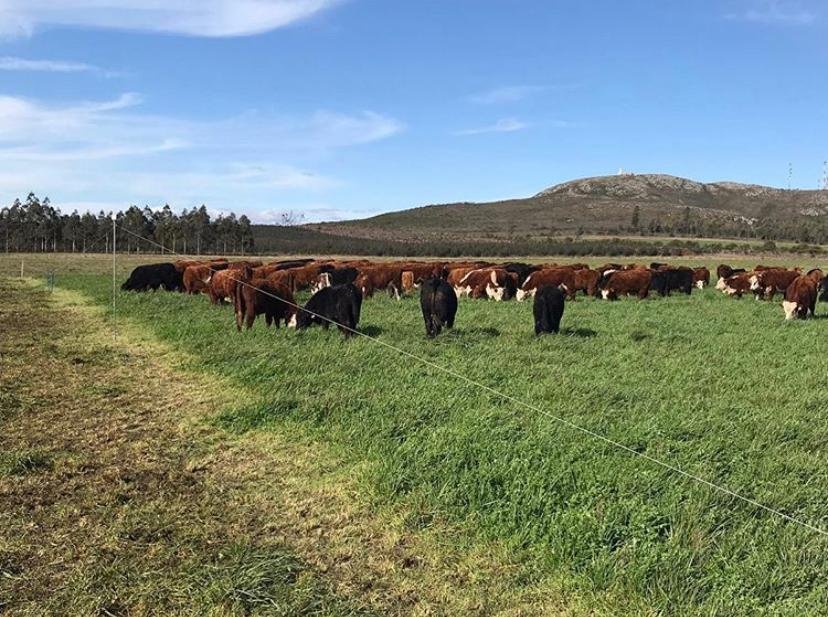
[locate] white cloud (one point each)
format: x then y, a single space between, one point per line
504 125
13 63
211 18
507 94
775 12
111 151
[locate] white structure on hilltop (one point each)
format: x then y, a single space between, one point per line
622 172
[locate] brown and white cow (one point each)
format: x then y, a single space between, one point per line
494 283
562 277
800 298
768 282
701 277
735 285
634 282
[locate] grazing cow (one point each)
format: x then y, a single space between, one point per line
563 277
766 283
154 276
337 276
548 309
521 270
339 305
669 279
407 281
701 277
627 282
223 284
439 305
456 275
735 285
379 278
494 283
817 275
800 298
196 279
261 297
586 280
421 271
723 271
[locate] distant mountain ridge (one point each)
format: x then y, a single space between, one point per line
603 205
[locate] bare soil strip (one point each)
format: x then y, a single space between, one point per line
118 495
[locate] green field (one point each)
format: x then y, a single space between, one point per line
723 389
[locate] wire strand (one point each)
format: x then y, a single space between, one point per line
535 408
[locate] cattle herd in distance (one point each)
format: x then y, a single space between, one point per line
338 287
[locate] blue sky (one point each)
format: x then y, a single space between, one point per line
345 108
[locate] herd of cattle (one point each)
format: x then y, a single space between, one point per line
338 287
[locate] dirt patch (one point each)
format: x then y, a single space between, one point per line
122 495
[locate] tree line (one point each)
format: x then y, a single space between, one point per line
35 225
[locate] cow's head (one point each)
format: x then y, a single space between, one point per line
790 309
754 282
322 280
721 284
495 292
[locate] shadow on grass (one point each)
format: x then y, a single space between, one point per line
579 332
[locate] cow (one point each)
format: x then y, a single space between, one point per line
154 276
379 277
337 276
197 278
421 271
800 298
457 274
657 265
218 263
521 270
627 282
241 265
609 267
735 285
669 279
766 283
261 297
823 287
586 280
817 275
701 277
494 283
723 271
563 277
339 305
438 303
548 309
222 284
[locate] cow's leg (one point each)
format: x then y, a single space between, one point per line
250 317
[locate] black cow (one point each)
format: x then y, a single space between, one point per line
522 270
338 305
153 276
548 309
671 279
439 305
341 276
823 288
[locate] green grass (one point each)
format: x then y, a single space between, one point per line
724 389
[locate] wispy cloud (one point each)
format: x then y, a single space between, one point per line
506 94
211 18
12 63
112 151
504 125
775 12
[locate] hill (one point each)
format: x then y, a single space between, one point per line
606 205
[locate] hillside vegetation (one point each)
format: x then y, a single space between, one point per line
646 204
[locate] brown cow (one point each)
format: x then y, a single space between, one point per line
701 277
222 284
494 283
627 282
768 282
260 296
586 280
816 275
563 277
456 275
800 298
241 265
379 277
197 278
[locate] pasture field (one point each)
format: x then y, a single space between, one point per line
721 388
